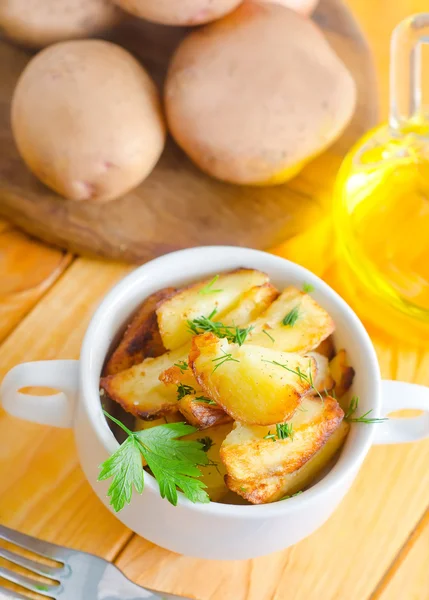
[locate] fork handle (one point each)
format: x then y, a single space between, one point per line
55 409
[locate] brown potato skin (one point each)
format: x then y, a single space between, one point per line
141 338
87 120
239 105
38 23
202 415
179 12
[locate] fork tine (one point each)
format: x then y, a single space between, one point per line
30 565
45 549
28 584
10 594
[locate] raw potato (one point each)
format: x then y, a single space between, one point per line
244 381
254 96
247 455
141 338
179 12
38 23
87 120
200 414
303 7
276 487
312 325
192 302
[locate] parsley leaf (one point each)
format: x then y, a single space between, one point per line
126 469
173 462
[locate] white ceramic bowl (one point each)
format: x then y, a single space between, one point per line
213 530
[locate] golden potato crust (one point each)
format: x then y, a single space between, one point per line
141 338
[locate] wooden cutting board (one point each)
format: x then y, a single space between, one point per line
177 206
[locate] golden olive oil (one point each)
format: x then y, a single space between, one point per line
381 214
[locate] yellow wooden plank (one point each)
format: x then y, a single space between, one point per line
408 579
28 269
42 488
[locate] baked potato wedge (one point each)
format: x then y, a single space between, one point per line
276 487
201 413
323 380
249 382
294 321
342 373
213 473
138 389
220 293
251 305
141 338
250 453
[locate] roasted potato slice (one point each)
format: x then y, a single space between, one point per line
342 373
201 414
140 424
323 380
213 473
249 382
200 299
141 338
249 454
138 389
276 487
293 323
326 348
252 304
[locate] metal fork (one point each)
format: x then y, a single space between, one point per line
80 576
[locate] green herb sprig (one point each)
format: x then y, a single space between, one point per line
306 377
184 390
283 431
353 406
220 360
236 335
268 335
206 400
208 289
291 495
307 288
182 365
206 443
173 462
292 317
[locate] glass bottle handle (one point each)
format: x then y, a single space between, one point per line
406 69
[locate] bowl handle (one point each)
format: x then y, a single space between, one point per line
56 409
398 395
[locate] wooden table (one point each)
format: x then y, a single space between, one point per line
375 546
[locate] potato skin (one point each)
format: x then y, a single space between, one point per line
179 12
141 338
254 113
38 23
87 120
